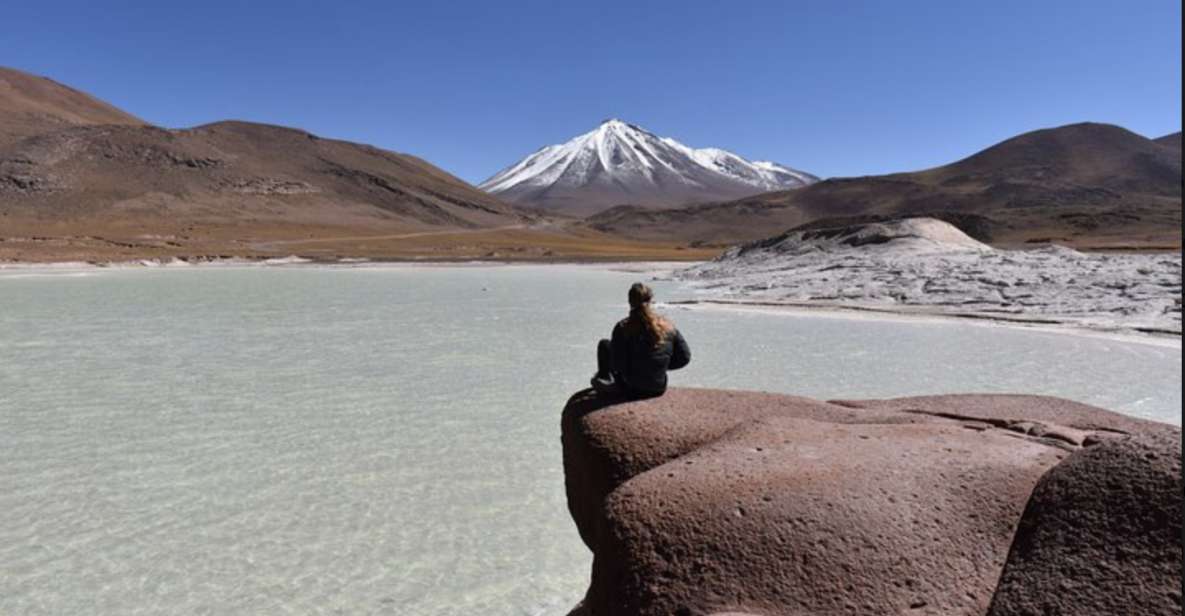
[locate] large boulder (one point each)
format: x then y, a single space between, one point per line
714 502
1101 535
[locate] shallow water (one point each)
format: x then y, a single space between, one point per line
386 440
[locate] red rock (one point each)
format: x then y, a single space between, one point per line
1101 535
715 502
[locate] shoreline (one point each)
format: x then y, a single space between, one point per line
1158 338
639 265
224 259
1136 335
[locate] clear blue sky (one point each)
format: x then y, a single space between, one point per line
835 88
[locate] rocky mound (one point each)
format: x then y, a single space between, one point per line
715 502
921 265
910 236
1086 546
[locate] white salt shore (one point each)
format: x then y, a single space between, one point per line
854 312
924 266
916 268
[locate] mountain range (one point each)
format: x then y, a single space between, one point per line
81 179
1087 185
620 163
68 154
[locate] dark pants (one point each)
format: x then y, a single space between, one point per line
604 359
615 385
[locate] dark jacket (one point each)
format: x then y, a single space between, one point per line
642 366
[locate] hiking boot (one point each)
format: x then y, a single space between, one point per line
603 383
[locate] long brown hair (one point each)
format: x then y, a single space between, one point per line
643 320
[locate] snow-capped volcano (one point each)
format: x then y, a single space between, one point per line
620 163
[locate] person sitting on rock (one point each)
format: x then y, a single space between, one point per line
643 347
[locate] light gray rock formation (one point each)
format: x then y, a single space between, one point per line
926 265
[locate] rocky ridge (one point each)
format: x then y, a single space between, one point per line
1087 185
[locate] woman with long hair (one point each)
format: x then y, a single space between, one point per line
644 345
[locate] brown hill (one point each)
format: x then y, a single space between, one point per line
1172 141
231 171
80 179
70 157
1088 185
31 105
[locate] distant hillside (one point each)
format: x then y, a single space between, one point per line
74 166
1091 185
1172 141
31 105
232 171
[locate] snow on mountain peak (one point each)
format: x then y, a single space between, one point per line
618 162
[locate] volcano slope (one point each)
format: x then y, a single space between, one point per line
1089 186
